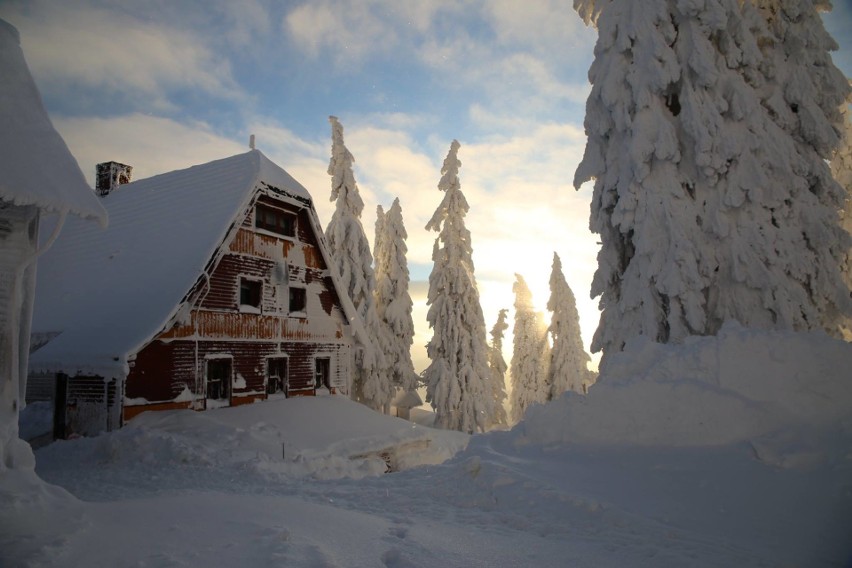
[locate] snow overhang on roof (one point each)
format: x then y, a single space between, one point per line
36 167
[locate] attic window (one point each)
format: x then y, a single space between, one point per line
250 291
275 220
297 299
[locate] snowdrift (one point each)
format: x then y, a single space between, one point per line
742 385
655 467
324 437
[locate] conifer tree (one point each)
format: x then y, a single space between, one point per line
498 367
351 258
568 360
530 354
841 169
708 210
393 301
804 91
457 377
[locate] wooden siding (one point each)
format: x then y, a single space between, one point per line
264 246
41 387
215 326
231 325
162 370
224 288
91 405
133 411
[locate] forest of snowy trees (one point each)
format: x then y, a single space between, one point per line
719 148
465 382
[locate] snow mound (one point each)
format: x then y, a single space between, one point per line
741 386
35 419
324 437
29 506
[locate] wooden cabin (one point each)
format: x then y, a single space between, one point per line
211 288
38 177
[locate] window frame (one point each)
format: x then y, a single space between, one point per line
300 290
283 225
257 284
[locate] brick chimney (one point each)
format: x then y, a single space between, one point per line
110 175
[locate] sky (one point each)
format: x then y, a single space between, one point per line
163 85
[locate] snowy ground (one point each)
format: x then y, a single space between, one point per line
299 482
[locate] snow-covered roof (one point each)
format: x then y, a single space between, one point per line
36 167
109 291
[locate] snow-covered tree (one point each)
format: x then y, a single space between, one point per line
530 354
457 378
568 359
393 301
841 168
351 258
807 96
498 367
707 209
804 91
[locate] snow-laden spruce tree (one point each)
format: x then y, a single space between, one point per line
457 378
498 367
841 169
393 301
706 208
804 92
568 360
351 258
806 95
530 354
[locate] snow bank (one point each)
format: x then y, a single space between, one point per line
28 507
326 437
35 420
743 385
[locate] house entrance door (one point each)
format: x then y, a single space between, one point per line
323 372
219 379
277 376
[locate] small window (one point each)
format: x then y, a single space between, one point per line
250 291
275 220
297 299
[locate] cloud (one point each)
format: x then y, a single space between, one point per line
544 25
151 145
354 31
350 33
246 21
108 52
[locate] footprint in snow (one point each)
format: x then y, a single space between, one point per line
398 532
394 558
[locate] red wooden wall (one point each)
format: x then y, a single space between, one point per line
175 359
